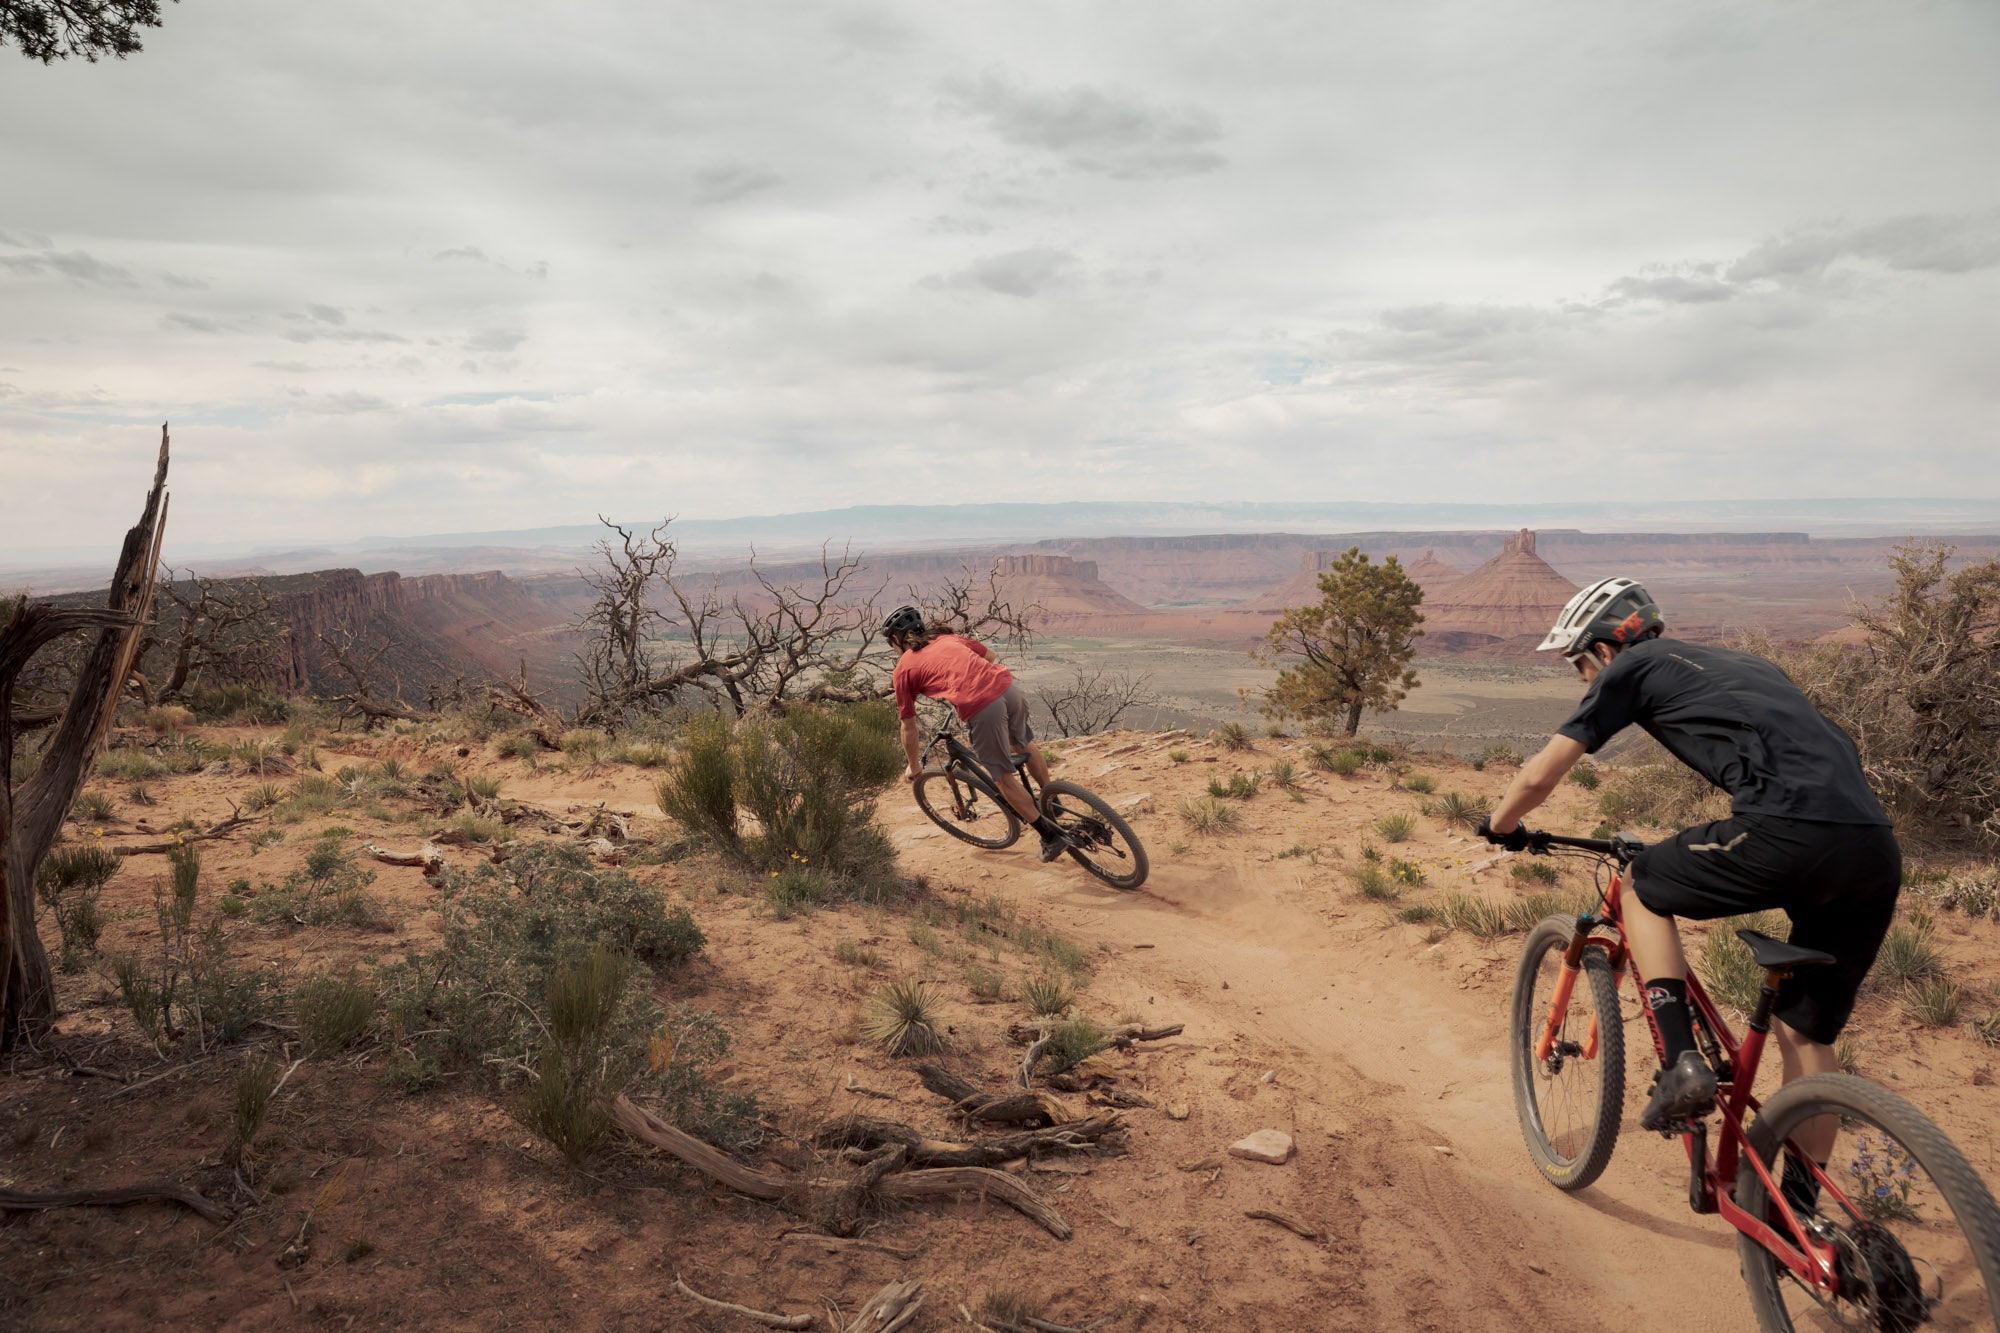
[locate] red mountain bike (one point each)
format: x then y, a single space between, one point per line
1904 1235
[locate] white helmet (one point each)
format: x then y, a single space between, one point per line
1611 610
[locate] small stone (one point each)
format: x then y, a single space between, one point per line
1537 1268
1441 1149
1266 1145
1177 1111
1269 1075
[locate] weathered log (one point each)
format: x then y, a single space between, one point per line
744 1311
718 1166
871 1132
32 812
983 1181
1017 1108
12 1200
848 1203
1026 1034
221 829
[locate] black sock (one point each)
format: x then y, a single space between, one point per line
1800 1186
1667 1005
1046 827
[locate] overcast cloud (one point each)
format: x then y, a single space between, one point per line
396 268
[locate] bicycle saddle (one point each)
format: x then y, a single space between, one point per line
1772 955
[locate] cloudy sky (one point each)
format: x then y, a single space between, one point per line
410 268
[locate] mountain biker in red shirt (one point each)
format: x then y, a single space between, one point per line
1805 833
938 664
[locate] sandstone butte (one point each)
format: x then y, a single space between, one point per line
1513 594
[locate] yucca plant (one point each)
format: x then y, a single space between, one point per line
1234 736
1207 815
1935 1001
1396 827
1455 807
1047 997
905 1018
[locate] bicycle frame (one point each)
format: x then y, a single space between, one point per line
1712 1179
957 752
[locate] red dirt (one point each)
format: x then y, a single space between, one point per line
1377 1045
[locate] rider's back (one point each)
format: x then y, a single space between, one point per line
1739 721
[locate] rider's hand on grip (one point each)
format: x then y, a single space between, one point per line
1518 839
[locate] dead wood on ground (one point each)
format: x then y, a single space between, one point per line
871 1132
744 1311
12 1200
220 829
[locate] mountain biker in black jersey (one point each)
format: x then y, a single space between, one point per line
1804 833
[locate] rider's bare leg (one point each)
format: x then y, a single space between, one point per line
1036 764
1654 941
1017 796
1799 1055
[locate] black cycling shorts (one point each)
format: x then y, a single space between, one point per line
1837 883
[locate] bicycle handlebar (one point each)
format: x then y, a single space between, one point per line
1620 847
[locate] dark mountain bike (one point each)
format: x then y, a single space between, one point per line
960 797
1904 1235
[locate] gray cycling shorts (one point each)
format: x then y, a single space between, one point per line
1000 730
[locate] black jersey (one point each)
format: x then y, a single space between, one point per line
1737 720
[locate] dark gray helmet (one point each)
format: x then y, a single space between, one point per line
904 620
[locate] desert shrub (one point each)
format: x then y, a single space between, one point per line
1416 914
1987 1028
791 891
1284 775
255 1084
905 1018
91 807
477 827
584 745
1456 808
505 931
1423 784
1472 913
167 720
332 1010
699 787
1727 969
1177 756
70 880
681 1054
1233 735
1373 882
1522 914
1585 775
140 794
1207 815
1500 754
1406 872
520 745
128 765
1975 891
483 786
1240 786
1006 1306
238 705
1664 795
1396 827
192 990
328 888
1909 956
851 953
984 982
576 1071
1071 1042
1047 997
1935 1001
1534 872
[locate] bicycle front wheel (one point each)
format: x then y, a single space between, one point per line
1917 1243
1100 840
952 798
1568 1100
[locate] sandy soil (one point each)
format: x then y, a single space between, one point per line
1377 1045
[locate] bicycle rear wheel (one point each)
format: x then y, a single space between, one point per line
950 796
1924 1251
1100 840
1568 1103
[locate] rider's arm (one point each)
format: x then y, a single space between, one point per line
1537 778
913 746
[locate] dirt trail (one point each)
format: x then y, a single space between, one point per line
1391 1046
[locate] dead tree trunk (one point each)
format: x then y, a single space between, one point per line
31 815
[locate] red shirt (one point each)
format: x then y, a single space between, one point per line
950 667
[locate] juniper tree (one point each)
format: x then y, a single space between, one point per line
1354 645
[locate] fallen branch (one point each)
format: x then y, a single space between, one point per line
1026 1034
22 1201
987 1183
870 1132
430 857
1015 1109
1284 1220
859 1090
650 1129
237 819
757 1316
889 1309
837 1244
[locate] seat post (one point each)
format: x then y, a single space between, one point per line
1767 999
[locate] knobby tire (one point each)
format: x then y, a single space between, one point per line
1861 1102
934 798
1596 1085
1118 873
